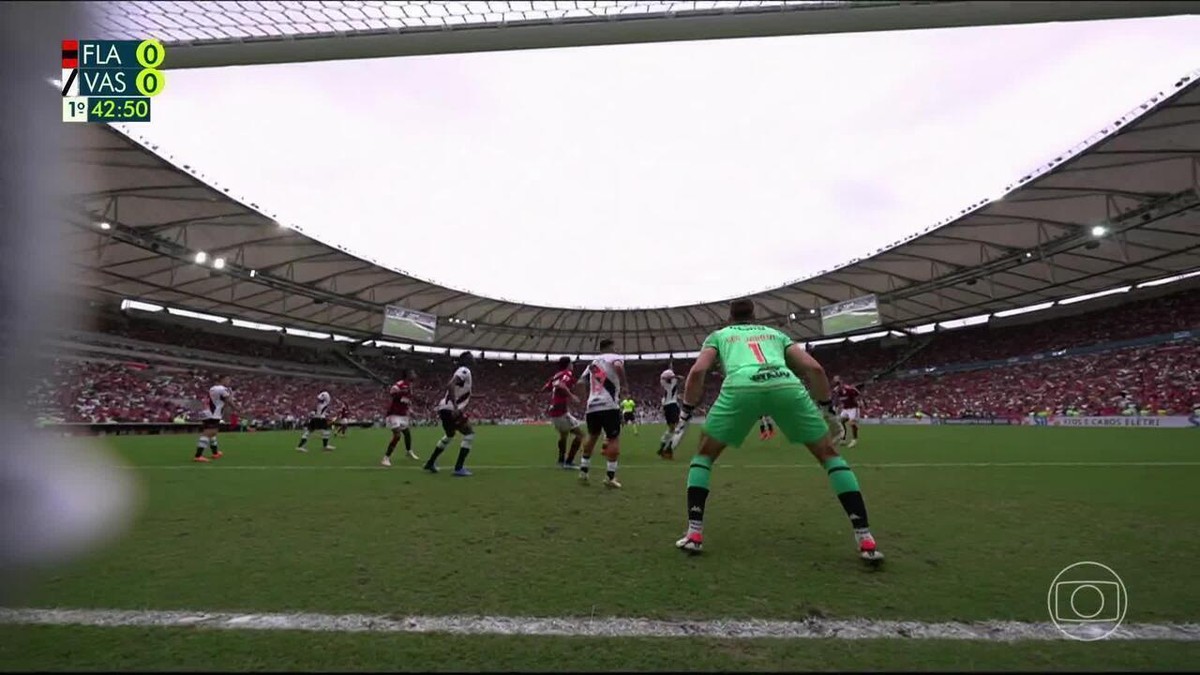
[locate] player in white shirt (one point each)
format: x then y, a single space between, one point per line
670 383
319 421
452 413
605 377
220 401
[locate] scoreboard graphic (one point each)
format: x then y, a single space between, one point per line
111 81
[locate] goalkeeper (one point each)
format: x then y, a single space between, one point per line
763 369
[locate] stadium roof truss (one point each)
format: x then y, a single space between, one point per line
264 31
1139 180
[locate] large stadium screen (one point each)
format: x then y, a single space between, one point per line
851 315
409 324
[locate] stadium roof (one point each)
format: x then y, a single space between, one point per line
1138 179
263 31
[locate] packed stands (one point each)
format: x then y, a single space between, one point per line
1178 311
150 371
1163 379
110 391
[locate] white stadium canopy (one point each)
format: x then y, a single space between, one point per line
202 33
1122 208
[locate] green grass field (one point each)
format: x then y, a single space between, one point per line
266 529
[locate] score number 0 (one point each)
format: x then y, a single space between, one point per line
150 56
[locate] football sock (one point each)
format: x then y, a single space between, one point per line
845 486
201 446
407 440
212 445
463 451
438 450
854 431
574 449
611 470
304 439
699 474
392 446
325 438
562 450
666 439
584 465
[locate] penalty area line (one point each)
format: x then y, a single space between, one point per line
812 628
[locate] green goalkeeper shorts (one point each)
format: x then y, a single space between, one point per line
736 412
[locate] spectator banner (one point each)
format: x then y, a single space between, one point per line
408 324
1163 422
851 315
896 421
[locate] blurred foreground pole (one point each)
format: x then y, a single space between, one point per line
59 497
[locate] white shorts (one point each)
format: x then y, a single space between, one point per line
849 413
343 421
565 422
397 422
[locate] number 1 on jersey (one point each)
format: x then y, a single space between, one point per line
758 352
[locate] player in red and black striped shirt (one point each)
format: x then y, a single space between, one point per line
343 420
397 416
847 396
564 422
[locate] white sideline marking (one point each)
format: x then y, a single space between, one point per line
812 628
798 465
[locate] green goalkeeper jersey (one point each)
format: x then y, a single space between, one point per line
753 356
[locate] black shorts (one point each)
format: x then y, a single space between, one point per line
452 424
318 424
206 424
608 421
628 418
671 413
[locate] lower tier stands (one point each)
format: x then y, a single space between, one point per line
1158 378
1155 379
168 370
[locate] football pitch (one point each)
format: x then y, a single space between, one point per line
852 320
269 559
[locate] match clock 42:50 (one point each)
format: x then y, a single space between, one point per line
99 109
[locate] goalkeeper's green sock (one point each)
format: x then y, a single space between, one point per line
845 486
699 474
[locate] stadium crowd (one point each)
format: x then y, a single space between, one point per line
108 391
1151 379
1163 379
1178 311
